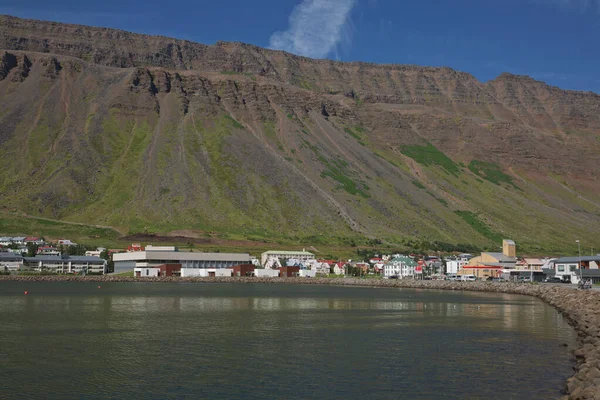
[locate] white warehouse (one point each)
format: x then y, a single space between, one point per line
191 262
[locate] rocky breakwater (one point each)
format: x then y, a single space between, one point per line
581 308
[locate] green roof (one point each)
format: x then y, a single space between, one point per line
405 260
287 252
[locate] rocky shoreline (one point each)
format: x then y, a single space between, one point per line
581 308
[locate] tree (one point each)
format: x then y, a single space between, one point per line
110 265
32 249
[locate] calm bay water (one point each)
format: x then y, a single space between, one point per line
211 341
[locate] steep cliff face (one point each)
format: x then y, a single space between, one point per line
143 132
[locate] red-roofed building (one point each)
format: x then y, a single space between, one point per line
328 262
34 240
135 247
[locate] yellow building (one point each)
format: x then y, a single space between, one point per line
492 264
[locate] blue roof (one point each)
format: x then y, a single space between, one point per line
575 259
44 258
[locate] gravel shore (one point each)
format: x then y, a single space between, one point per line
581 308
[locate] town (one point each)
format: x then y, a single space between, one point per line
31 255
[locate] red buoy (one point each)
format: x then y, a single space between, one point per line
98 287
26 292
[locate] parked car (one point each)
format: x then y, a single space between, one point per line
469 278
526 279
553 279
498 280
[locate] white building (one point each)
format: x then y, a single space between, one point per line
266 273
299 255
154 256
322 269
10 262
95 253
66 264
401 267
453 266
66 242
272 263
48 251
20 240
206 272
567 268
146 272
339 269
307 273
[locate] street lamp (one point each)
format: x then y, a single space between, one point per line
580 271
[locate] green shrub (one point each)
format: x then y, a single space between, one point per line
418 184
491 172
430 155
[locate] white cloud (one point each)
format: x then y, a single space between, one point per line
315 28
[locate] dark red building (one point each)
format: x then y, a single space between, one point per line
243 270
288 272
169 270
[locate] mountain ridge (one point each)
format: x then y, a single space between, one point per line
255 142
14 21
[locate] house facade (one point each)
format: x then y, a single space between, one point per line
301 256
66 264
11 262
492 264
401 267
567 268
191 262
455 265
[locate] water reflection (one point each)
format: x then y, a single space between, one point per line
202 341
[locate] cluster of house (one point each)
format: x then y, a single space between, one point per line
13 251
508 266
153 261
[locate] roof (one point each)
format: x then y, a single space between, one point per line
18 238
508 241
63 259
287 252
405 260
533 261
501 257
169 256
86 258
10 257
484 266
564 260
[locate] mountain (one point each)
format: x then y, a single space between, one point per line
151 133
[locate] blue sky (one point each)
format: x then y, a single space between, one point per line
551 40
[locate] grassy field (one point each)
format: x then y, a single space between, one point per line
13 225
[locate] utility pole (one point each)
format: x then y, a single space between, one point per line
580 271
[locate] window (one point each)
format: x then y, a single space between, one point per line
561 268
572 267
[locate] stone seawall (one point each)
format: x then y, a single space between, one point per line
581 308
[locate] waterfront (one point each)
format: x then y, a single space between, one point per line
137 340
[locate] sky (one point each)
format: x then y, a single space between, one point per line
555 41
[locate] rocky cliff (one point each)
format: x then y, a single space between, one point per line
152 133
